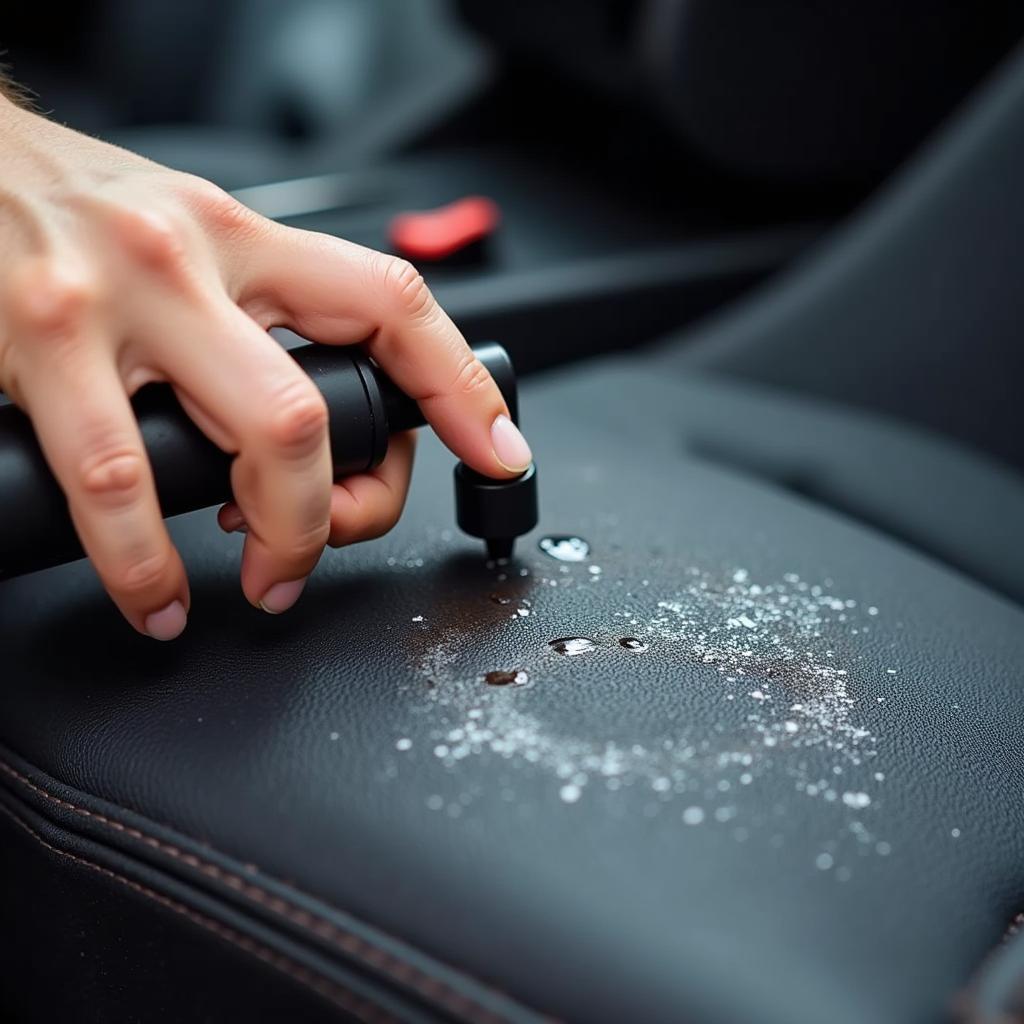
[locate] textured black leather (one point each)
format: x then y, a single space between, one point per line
480 887
79 944
942 498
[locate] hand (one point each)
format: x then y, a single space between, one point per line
118 272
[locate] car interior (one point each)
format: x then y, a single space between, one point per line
737 732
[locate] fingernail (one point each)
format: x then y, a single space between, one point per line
167 623
281 596
510 446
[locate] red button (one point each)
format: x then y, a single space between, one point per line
437 234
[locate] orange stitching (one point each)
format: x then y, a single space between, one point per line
399 970
322 986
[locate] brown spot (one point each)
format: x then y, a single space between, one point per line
501 677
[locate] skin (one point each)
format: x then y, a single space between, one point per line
118 272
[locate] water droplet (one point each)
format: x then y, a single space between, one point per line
501 599
693 815
417 618
572 645
501 677
856 800
823 861
632 643
565 549
570 793
403 744
334 736
955 833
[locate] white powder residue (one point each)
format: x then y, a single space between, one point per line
489 721
783 651
779 635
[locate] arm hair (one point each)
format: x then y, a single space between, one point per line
12 91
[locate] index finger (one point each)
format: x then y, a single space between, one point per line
335 292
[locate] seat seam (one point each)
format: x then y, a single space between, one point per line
402 972
324 987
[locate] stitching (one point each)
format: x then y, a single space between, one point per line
330 990
354 945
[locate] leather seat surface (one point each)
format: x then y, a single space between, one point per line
802 801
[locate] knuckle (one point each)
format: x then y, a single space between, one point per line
113 476
405 284
152 236
50 301
305 545
298 420
141 573
216 207
471 375
371 518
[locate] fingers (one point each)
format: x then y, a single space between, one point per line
336 292
88 432
363 507
368 505
252 399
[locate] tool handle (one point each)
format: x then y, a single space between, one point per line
189 470
364 408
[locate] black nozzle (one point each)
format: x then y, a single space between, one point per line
496 511
365 408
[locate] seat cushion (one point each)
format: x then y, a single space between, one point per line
752 757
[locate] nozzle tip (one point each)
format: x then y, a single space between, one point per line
500 547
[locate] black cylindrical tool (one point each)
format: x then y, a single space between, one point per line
365 408
498 511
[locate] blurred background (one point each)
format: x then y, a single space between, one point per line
648 160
